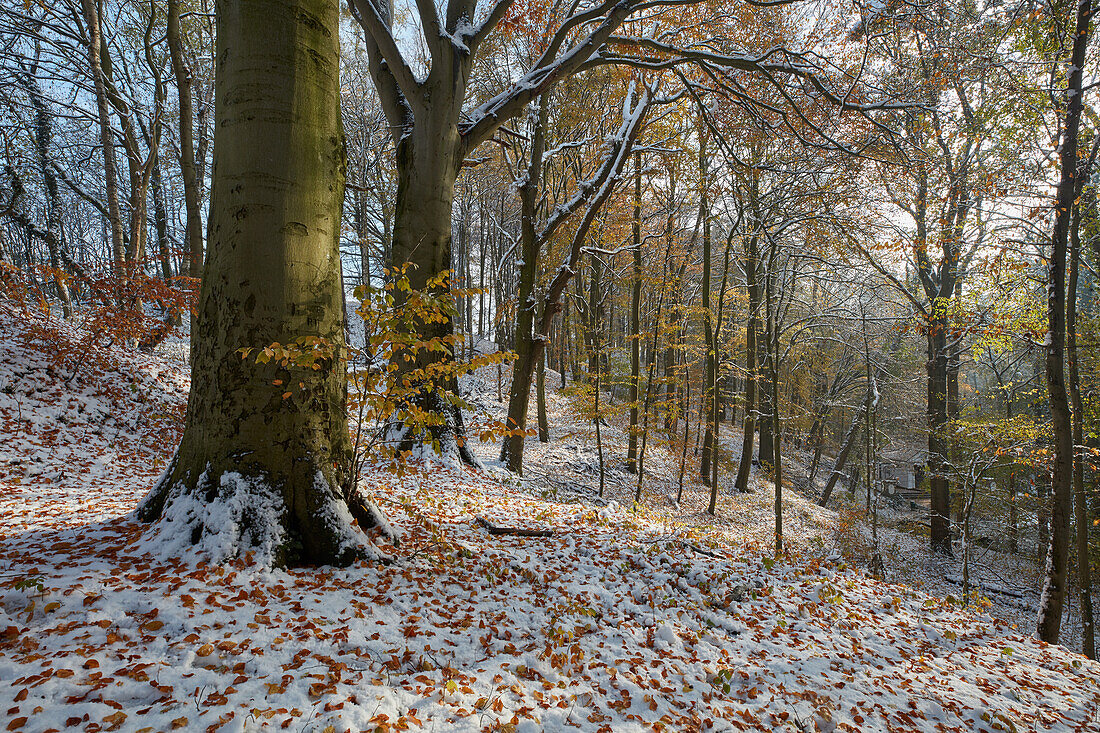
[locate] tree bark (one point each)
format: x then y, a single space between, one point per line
43 136
773 379
705 472
939 486
160 220
1057 565
192 186
713 339
635 321
426 170
753 289
264 465
540 401
529 350
842 457
1080 498
90 10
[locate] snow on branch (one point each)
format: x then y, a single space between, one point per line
381 41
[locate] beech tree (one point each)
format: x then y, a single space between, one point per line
435 129
1057 562
534 316
264 460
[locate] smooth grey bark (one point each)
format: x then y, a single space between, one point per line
269 439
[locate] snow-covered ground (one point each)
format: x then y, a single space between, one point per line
661 619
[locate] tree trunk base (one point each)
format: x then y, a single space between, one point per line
246 514
446 443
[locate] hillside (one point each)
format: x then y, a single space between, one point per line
617 621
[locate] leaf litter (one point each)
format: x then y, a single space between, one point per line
619 621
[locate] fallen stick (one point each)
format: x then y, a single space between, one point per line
988 587
516 531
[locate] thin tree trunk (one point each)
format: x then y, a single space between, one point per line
192 186
715 396
1057 565
1080 498
753 289
652 363
1013 515
43 136
773 378
160 219
598 418
635 321
540 400
705 416
842 457
687 430
529 349
90 10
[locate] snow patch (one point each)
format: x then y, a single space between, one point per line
244 515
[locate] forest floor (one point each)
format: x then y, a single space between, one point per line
621 620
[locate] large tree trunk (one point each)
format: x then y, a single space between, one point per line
426 166
264 464
1057 566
